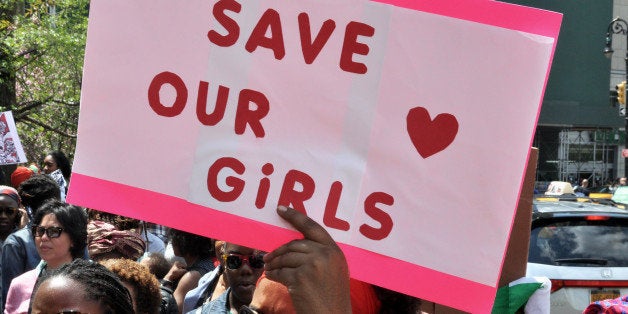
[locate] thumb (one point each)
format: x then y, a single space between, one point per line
310 229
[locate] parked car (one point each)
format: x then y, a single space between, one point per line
582 247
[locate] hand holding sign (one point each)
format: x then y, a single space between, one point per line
314 268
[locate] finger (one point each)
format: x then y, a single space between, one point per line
281 275
302 246
304 224
288 260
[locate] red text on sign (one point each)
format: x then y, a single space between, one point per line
296 198
270 22
244 114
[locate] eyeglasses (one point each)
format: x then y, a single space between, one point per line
51 232
9 211
234 261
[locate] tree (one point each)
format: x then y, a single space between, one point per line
41 61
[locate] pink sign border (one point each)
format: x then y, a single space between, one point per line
501 14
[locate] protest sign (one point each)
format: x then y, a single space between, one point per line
11 150
402 127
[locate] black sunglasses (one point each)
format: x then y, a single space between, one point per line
51 232
9 211
235 261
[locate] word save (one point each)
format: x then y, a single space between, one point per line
270 21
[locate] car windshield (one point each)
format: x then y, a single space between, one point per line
581 243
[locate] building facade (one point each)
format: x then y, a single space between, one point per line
580 134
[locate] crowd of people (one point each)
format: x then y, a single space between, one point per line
60 258
585 187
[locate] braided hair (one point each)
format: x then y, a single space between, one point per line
98 285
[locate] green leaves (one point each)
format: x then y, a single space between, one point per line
43 44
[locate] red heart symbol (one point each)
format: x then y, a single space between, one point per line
430 136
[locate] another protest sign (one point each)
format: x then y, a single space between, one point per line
11 150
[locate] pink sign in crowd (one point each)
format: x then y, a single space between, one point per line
373 118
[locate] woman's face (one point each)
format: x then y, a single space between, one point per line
50 164
61 294
242 279
8 211
55 251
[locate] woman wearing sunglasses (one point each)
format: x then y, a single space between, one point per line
60 232
243 267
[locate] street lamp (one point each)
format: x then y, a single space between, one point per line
618 26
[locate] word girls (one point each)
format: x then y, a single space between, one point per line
296 189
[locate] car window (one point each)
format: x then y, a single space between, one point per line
580 243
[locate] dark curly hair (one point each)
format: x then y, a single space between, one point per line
37 189
189 243
99 285
73 220
62 162
146 285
